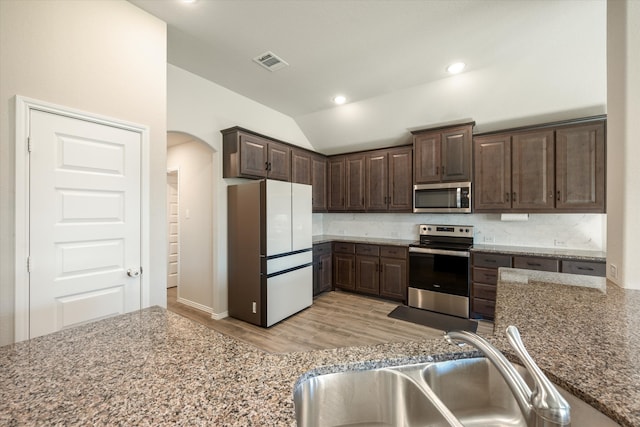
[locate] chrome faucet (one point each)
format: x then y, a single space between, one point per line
542 407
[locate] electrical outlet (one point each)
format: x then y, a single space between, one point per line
559 242
613 270
489 239
253 307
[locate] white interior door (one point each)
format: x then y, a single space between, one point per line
173 209
84 219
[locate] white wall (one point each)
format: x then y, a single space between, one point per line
575 231
201 108
194 160
106 57
623 139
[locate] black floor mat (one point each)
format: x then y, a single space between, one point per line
443 322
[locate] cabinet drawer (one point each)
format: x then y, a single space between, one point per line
491 260
344 247
371 250
588 268
534 263
483 307
485 275
393 252
483 291
321 249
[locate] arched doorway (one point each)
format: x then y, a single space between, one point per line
190 215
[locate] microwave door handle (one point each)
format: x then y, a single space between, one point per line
458 197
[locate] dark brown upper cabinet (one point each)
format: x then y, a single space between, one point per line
552 168
492 177
248 155
336 198
319 183
388 180
443 154
301 166
354 182
580 168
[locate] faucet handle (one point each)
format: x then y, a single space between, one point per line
545 398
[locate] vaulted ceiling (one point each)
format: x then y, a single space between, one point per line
389 58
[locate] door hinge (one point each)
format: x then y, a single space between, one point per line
28 264
29 144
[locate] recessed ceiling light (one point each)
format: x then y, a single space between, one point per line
188 1
456 67
339 99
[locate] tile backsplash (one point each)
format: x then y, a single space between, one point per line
573 231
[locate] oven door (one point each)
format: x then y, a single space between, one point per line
439 271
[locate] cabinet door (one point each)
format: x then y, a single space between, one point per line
580 168
393 278
253 156
325 282
354 180
319 183
492 180
367 274
400 177
301 166
532 171
456 155
377 180
279 157
336 184
426 149
344 271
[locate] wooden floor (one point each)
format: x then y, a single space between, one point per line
336 319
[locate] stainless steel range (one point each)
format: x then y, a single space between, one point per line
439 269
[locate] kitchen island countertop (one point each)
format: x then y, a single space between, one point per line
153 367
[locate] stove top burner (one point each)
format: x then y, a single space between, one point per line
451 237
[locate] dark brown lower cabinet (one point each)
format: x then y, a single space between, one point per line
484 275
322 268
344 266
379 270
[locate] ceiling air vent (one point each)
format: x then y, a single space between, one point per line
270 61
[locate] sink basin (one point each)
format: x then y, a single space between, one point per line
475 392
381 397
466 392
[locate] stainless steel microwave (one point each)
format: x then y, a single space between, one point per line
446 197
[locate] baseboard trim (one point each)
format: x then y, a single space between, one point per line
195 305
219 316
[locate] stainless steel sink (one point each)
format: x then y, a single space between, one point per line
381 397
467 392
475 392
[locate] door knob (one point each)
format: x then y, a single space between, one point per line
133 272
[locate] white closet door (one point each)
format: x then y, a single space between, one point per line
84 221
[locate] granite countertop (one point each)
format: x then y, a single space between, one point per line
560 253
581 254
153 367
325 238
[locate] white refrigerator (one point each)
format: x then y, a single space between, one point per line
270 250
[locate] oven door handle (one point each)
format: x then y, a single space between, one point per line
461 254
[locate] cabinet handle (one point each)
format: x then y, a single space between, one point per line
558 195
513 196
506 196
266 166
585 268
437 170
534 264
490 260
